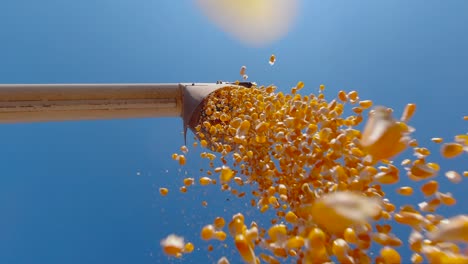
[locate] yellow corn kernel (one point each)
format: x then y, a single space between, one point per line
189 181
382 136
220 235
337 211
409 218
204 203
226 174
291 217
203 143
277 232
184 149
353 96
182 160
204 181
163 191
462 139
365 104
430 188
342 96
446 198
295 242
219 222
405 190
454 229
245 249
340 248
350 235
242 70
188 248
408 112
451 150
243 128
465 118
272 59
299 85
183 189
173 245
453 176
390 255
416 258
207 232
437 140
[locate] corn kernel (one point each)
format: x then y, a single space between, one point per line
272 59
242 70
204 181
188 248
453 176
408 112
405 190
245 249
163 191
390 255
430 188
454 229
365 104
182 160
451 150
207 232
189 181
173 245
219 222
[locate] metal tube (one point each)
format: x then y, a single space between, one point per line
59 102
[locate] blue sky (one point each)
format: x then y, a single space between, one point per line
70 192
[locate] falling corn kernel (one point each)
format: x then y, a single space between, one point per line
437 140
390 255
405 190
430 188
365 104
453 176
337 211
272 59
188 248
163 191
182 160
245 249
242 70
382 136
453 229
184 149
408 112
226 174
205 181
173 245
183 189
291 217
299 85
189 181
451 150
219 222
207 232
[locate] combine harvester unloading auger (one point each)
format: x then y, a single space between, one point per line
21 103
